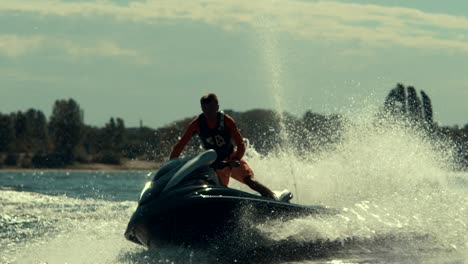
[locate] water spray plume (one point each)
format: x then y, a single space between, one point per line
271 57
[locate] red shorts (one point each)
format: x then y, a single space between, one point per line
238 173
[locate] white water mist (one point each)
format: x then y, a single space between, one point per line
387 181
269 47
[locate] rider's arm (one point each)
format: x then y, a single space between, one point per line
189 132
236 136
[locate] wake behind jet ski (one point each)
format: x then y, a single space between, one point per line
185 204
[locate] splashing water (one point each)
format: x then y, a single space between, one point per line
392 185
51 229
269 47
37 228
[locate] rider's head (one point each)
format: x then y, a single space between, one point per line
209 105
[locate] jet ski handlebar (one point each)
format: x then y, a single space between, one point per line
223 164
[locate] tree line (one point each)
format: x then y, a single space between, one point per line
30 140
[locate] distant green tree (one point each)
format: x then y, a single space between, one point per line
401 99
389 104
36 130
7 132
113 134
427 110
20 124
153 144
65 126
408 106
159 143
21 138
261 127
108 135
323 131
120 133
107 144
91 140
414 105
395 103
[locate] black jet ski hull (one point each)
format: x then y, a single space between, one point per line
199 218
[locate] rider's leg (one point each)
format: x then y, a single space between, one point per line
260 188
244 174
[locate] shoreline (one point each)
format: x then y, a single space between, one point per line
127 165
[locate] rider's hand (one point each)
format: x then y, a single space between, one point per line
234 163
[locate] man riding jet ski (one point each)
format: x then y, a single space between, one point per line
184 203
219 131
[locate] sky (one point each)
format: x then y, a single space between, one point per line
153 60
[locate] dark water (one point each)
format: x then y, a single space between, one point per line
111 186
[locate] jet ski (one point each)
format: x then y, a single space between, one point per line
185 204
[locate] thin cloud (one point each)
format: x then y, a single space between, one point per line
333 21
101 49
16 46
